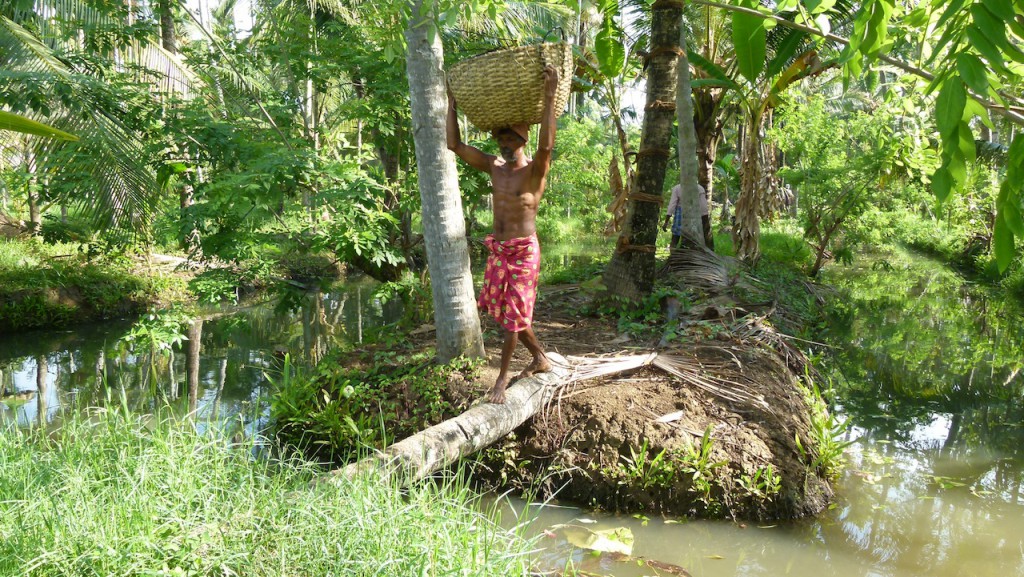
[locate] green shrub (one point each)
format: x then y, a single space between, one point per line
348 403
54 285
217 285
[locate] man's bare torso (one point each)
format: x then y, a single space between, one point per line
515 204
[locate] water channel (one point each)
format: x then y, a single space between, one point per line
928 365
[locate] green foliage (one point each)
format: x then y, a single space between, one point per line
577 190
696 461
692 464
158 332
825 450
749 40
644 319
18 123
417 302
609 44
642 470
54 286
764 484
132 495
345 405
838 185
215 286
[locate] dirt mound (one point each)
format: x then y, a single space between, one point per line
721 442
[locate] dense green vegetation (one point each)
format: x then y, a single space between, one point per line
54 285
279 150
121 494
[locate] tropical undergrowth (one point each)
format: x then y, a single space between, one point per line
114 493
55 285
354 400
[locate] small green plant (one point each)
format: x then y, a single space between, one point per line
827 453
348 403
763 484
697 462
640 469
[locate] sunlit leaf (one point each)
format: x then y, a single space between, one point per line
749 40
949 106
18 123
615 540
942 184
611 54
973 72
1002 243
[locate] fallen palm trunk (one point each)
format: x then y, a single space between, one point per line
441 445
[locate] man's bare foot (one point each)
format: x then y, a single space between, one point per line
497 393
539 365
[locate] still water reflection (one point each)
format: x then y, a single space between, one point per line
218 373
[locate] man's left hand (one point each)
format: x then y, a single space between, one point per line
550 81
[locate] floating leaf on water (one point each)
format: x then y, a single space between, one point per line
615 540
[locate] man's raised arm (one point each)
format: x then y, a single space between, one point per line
548 124
472 155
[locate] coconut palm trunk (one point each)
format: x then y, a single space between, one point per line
631 272
746 233
456 320
689 200
708 123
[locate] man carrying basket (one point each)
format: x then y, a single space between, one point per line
510 281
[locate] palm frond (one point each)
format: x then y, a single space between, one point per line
722 382
19 123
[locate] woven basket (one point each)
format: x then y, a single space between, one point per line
506 87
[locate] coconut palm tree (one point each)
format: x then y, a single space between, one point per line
630 274
83 70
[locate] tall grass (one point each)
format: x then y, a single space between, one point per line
117 494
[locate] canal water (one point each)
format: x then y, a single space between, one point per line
927 371
220 372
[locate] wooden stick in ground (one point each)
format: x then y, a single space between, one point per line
443 444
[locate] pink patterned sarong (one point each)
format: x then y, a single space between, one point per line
510 281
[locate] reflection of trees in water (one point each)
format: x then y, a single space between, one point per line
217 373
920 341
934 365
912 518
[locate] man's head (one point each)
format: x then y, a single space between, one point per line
510 139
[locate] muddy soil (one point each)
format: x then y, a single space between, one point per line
647 441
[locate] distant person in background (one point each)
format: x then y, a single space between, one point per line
675 213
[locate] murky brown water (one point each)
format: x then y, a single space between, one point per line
930 371
894 518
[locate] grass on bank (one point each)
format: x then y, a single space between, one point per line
119 494
53 285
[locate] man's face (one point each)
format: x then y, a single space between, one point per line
508 143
